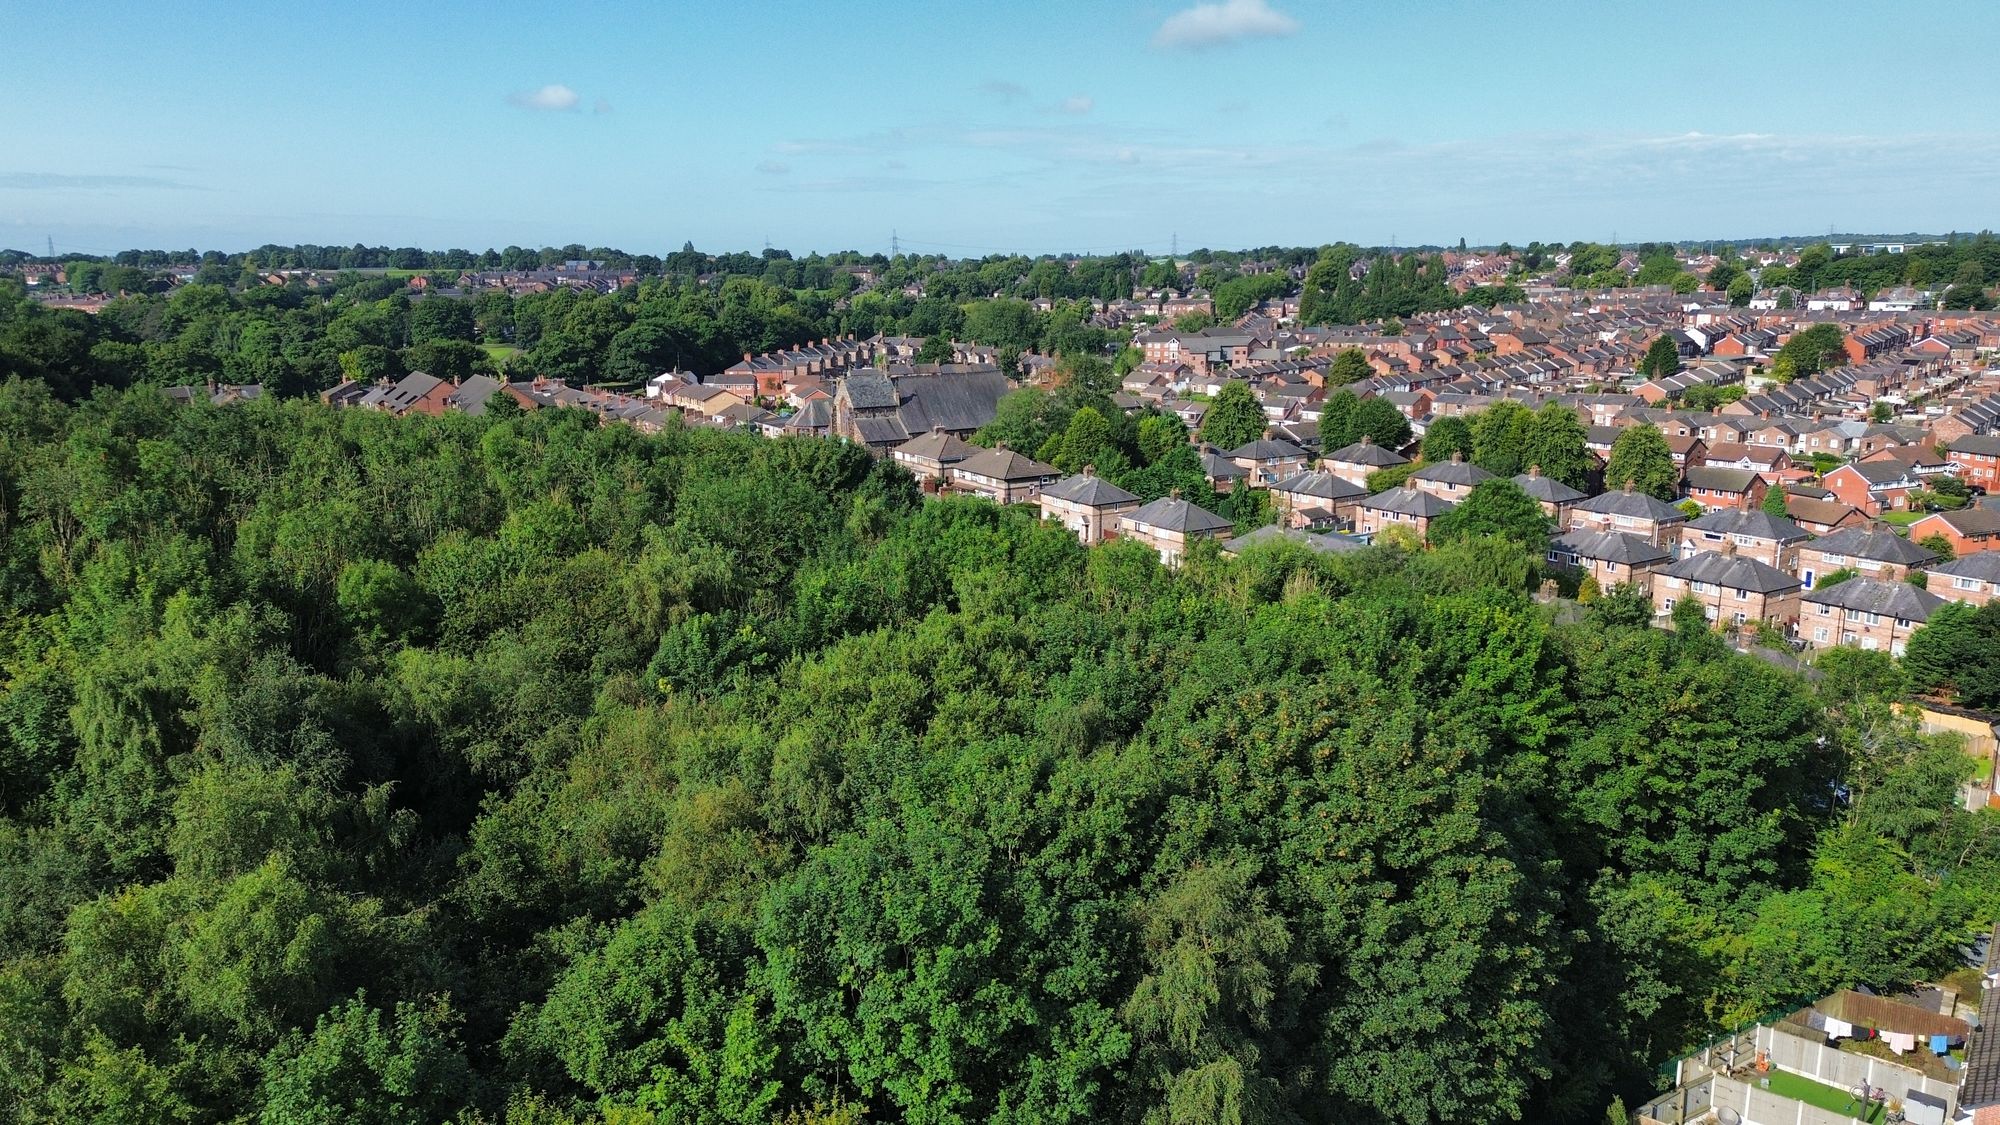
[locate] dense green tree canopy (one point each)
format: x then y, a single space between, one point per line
1641 458
526 769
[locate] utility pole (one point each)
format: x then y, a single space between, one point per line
1174 250
52 246
895 247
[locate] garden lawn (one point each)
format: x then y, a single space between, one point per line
1800 1088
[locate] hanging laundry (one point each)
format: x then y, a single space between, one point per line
1838 1029
1940 1044
1899 1042
1816 1020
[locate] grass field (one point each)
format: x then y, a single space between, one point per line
1801 1088
500 353
1902 519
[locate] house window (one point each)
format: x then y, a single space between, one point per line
1667 605
1965 583
1819 634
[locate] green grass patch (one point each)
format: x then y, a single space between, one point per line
1902 519
1800 1088
500 353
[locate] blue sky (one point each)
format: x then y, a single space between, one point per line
970 128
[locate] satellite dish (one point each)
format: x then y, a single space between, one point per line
1728 1116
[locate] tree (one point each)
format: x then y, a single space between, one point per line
1497 507
356 1066
1558 445
1641 458
1957 654
1378 418
1234 418
1500 436
1447 436
935 349
1662 358
1741 289
1941 546
1350 365
1159 435
1813 349
1774 502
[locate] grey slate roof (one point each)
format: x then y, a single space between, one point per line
869 389
1757 524
939 446
1733 571
1218 466
817 414
1408 501
1268 449
1983 565
1368 453
1171 513
1719 479
1635 505
1547 489
1462 473
1090 490
1271 533
1611 546
1320 485
1873 595
1879 544
472 394
1005 464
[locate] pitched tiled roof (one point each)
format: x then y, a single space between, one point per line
1635 505
1873 595
1171 513
1547 489
1089 489
1875 543
1611 546
1408 501
1320 485
1005 464
1983 565
1462 473
1759 525
1733 571
1368 453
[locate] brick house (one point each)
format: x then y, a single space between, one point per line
1298 497
1871 552
1611 558
1974 579
1634 513
1873 486
1867 613
1404 506
1823 516
1732 591
1555 497
1355 462
1003 476
1170 525
1451 480
1088 505
930 457
1769 539
1968 530
1741 489
1975 459
1268 459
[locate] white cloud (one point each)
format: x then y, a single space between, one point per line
1210 25
554 98
1076 103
